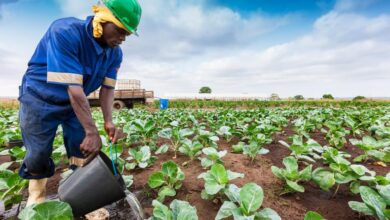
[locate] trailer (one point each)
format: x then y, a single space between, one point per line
127 93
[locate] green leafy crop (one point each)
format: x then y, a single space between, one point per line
168 180
291 175
378 150
216 180
11 187
54 210
139 158
175 134
179 210
245 203
373 203
212 156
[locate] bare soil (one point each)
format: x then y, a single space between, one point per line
291 206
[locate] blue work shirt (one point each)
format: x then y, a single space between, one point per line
68 54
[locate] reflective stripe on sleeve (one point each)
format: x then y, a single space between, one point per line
76 161
109 82
67 78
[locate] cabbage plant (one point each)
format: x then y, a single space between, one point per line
216 181
11 186
255 148
212 156
175 134
245 203
16 153
141 158
206 138
178 210
53 210
335 134
238 148
291 175
303 127
377 150
353 174
141 130
191 149
268 127
373 203
345 172
309 151
311 215
354 126
225 131
168 180
380 130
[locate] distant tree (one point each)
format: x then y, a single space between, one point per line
274 97
299 97
327 96
359 97
205 89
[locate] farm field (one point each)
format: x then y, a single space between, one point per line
222 161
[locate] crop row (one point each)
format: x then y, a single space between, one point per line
196 133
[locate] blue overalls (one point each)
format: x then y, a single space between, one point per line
66 55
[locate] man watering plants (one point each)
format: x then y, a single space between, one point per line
74 58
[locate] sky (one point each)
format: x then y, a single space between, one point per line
307 47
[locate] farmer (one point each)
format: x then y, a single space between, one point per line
74 58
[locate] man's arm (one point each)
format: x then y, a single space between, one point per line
106 100
92 143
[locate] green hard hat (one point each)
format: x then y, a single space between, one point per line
128 12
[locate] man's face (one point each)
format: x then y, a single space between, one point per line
113 35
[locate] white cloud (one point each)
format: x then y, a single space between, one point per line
173 29
351 5
345 53
347 48
76 8
4 2
184 45
12 68
178 37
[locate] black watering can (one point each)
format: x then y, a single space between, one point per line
93 186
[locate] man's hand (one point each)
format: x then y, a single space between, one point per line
92 143
91 146
114 133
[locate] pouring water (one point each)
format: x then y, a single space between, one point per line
135 206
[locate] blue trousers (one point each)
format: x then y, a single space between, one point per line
39 121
